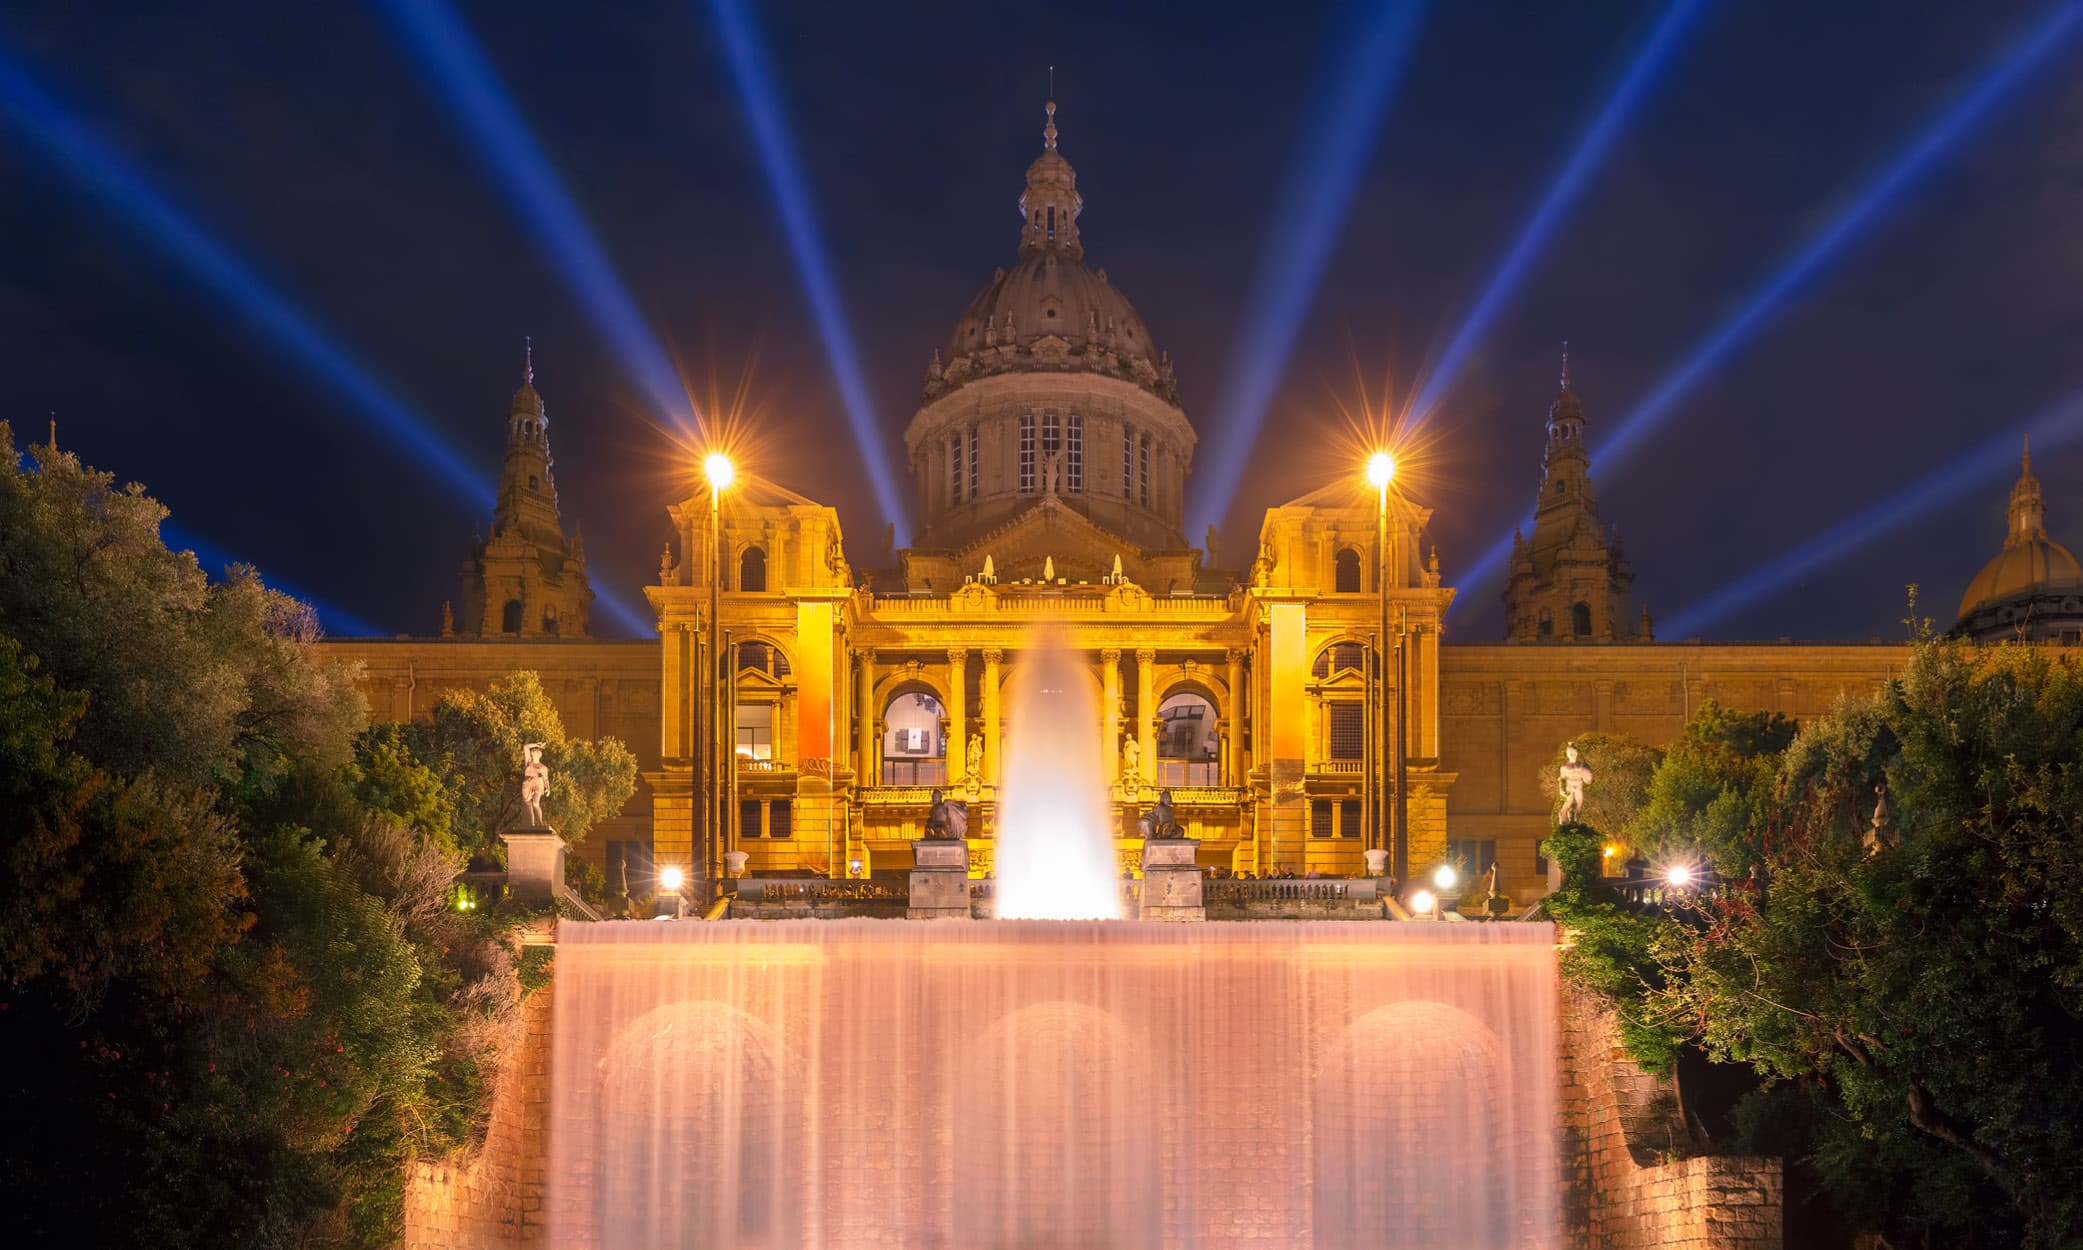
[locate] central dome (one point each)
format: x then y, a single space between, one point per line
1051 294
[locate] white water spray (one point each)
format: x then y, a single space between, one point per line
1055 848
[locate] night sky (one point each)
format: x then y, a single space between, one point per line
309 141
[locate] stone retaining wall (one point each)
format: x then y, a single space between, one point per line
493 1197
1630 1178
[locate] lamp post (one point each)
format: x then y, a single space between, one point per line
1381 473
720 472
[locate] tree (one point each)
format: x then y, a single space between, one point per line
1925 984
1621 766
1711 794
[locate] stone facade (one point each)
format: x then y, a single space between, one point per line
1632 1176
493 1198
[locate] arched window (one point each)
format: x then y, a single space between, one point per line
1337 658
1546 626
913 751
549 621
1348 572
510 617
1580 619
531 482
752 569
762 657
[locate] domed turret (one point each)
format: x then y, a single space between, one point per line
2034 586
1050 388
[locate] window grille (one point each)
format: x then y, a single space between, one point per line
1348 730
1128 462
1026 453
1143 470
954 468
1074 454
972 462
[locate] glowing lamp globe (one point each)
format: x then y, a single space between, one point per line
1444 876
1680 876
672 879
1422 901
721 472
1381 469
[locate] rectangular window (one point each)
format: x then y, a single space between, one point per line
781 819
972 462
1143 470
1128 463
1026 453
755 732
954 469
1052 433
1348 730
1074 455
1349 818
748 818
1473 856
1320 813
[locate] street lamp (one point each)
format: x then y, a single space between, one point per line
670 879
718 468
1381 474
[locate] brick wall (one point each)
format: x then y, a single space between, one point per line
1630 1178
493 1196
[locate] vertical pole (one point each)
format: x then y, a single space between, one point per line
1402 808
1384 821
712 839
729 753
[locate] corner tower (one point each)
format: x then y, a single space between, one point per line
526 580
1050 398
2033 590
1571 582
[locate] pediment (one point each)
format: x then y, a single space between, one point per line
1048 533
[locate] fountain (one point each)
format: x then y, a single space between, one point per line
1055 846
1057 1077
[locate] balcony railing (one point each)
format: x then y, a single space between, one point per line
1189 774
920 772
1364 890
746 764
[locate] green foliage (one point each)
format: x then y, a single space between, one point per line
1612 948
1621 768
1927 990
235 997
1711 797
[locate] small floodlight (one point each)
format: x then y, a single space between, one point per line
1422 902
721 472
853 866
1381 469
1444 876
672 879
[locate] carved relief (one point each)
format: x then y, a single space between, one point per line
1558 698
1471 698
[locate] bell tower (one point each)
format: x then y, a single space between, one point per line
526 580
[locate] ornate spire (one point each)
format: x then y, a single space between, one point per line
1049 207
1049 130
1565 364
2028 510
528 361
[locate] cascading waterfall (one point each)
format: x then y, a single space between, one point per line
1054 847
1012 1085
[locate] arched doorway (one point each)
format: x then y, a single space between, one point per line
914 751
1188 750
752 570
1348 571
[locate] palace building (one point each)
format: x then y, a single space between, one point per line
1050 454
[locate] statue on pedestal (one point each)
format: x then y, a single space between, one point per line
976 759
946 821
1131 762
535 782
1572 779
1161 821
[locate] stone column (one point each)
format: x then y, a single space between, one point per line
1236 709
1146 714
864 731
993 771
957 713
1110 697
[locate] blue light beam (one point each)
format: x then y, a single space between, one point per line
2017 61
762 102
1337 134
214 560
466 83
1655 53
1959 475
68 142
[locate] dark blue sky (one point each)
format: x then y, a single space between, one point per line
306 138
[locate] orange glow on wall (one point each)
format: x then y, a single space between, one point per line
814 687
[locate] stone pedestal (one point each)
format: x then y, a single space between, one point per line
534 864
939 880
1171 880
